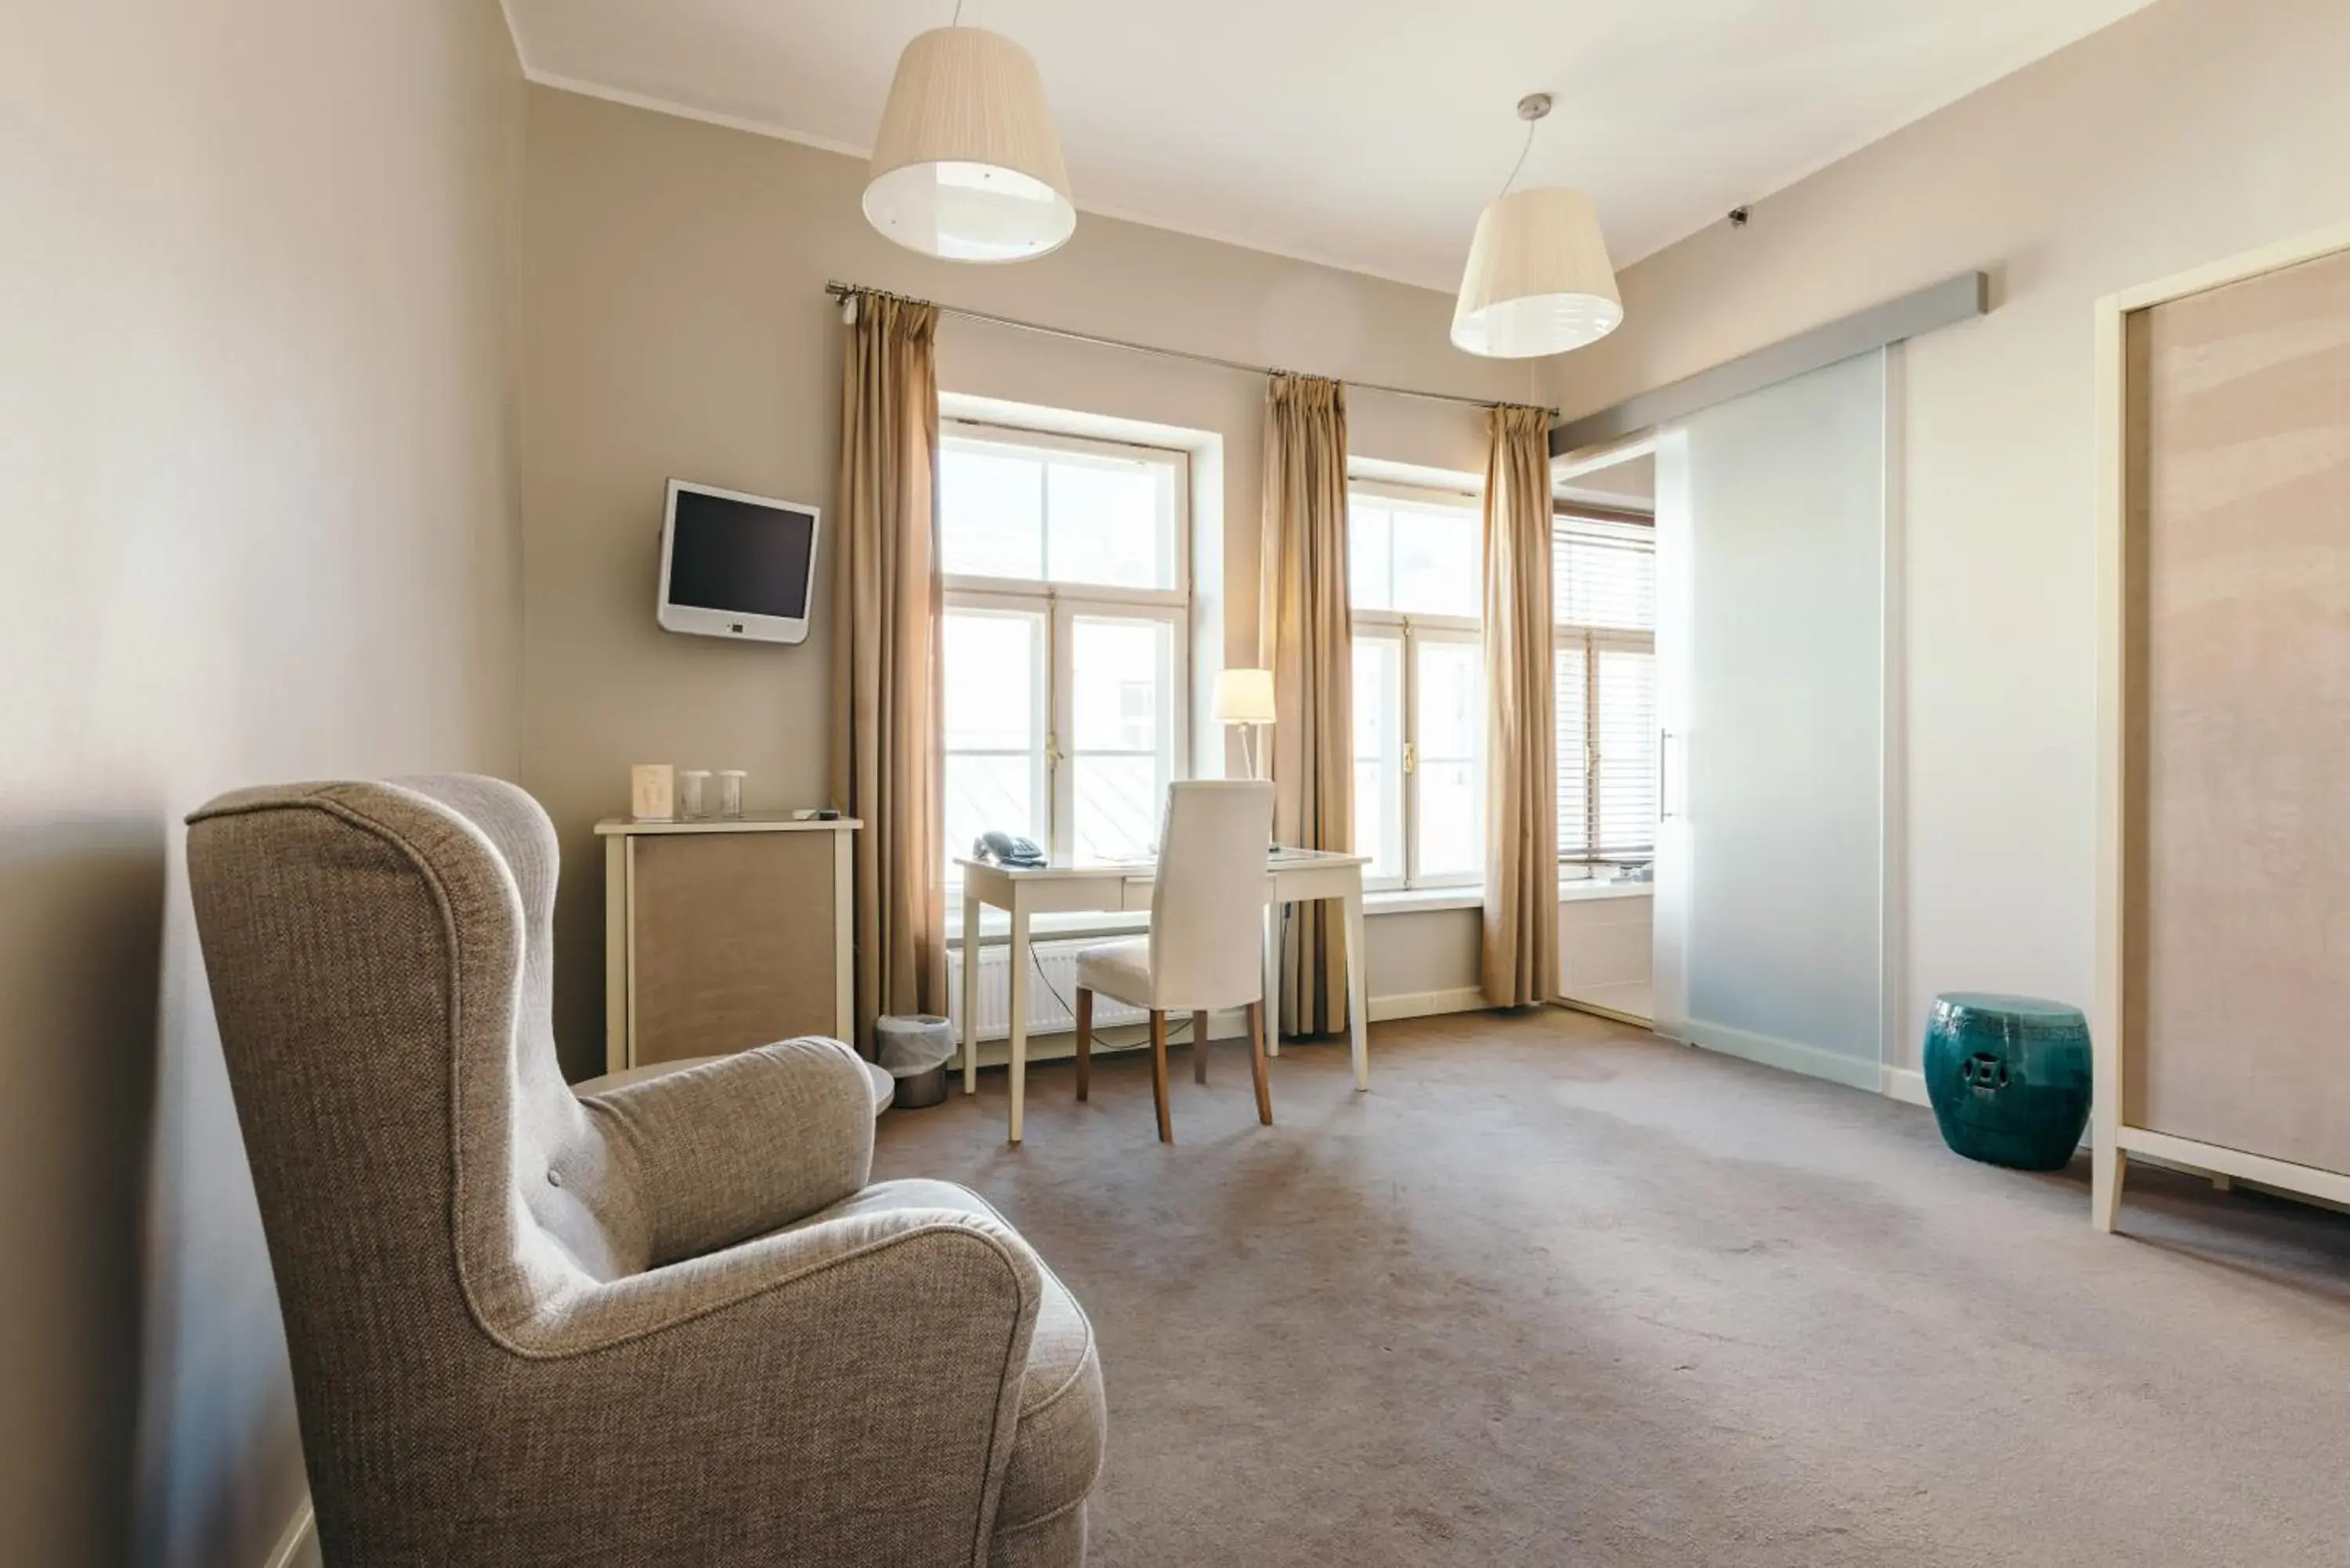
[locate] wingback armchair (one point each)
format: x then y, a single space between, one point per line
672 1322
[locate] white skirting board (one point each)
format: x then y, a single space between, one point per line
1426 1004
1773 1052
1907 1085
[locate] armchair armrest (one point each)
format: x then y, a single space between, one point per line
746 1144
963 1267
763 1402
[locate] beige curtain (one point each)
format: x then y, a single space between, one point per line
1521 957
886 735
1306 636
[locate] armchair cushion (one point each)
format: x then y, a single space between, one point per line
744 1144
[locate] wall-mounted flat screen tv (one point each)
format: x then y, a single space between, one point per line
734 565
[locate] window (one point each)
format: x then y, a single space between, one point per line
1416 574
1603 597
1065 638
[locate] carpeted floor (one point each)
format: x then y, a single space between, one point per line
1558 1292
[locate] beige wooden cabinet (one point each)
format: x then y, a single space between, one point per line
719 935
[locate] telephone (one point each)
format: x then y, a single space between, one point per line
1007 849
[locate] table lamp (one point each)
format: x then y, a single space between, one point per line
1244 697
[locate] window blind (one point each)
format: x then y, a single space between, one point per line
1571 667
1624 693
1604 589
1603 575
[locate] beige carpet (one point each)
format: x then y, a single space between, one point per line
1556 1293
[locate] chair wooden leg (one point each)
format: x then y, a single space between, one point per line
1256 1062
1200 1047
1085 1041
1158 1072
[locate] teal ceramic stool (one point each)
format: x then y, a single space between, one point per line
2009 1077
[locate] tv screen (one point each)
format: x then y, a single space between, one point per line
737 566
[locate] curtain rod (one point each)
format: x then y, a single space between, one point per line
844 292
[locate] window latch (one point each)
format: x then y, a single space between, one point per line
1411 756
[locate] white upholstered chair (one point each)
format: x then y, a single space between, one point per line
1205 949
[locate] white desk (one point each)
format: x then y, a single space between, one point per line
1292 876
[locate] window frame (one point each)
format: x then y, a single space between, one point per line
1408 630
1059 603
1176 728
1040 698
1362 631
1175 459
1459 630
1592 640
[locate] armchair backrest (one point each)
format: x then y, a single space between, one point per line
380 970
590 1212
1207 907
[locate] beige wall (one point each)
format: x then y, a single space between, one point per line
1634 479
677 326
259 525
2189 131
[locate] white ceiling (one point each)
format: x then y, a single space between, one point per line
1363 133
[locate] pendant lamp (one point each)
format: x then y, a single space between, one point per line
1538 280
967 167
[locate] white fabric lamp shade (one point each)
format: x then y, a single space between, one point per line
1244 697
967 166
1539 280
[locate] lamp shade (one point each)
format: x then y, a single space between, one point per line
967 166
1538 280
1244 697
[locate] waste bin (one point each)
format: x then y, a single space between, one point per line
915 1050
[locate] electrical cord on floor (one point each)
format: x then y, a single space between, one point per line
1281 934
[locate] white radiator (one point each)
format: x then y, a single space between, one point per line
1052 992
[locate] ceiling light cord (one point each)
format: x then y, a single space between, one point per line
1532 125
957 19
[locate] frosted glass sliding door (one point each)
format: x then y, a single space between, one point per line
1771 644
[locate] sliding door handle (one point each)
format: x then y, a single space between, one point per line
1664 801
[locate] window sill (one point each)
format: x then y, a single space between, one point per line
1578 890
1418 900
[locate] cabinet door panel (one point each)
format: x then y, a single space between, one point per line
2240 419
734 941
